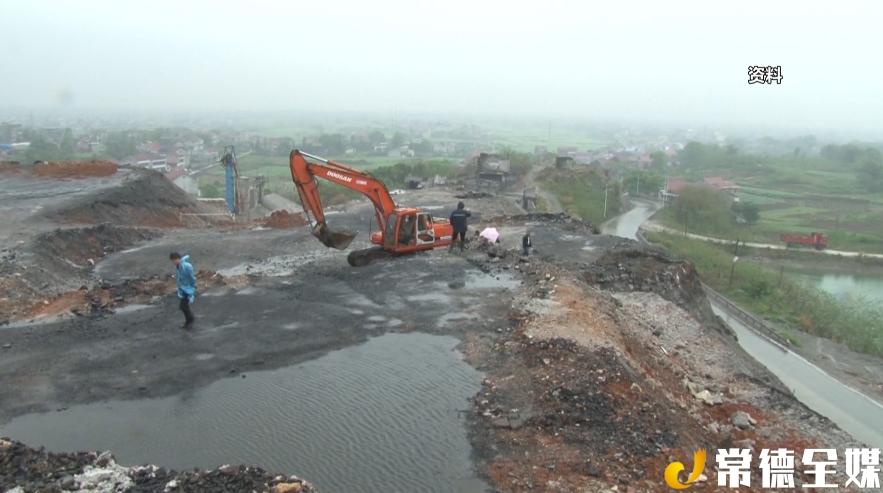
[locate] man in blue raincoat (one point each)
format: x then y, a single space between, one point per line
186 280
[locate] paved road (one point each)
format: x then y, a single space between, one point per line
653 226
852 410
626 225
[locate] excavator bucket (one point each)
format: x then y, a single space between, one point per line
333 239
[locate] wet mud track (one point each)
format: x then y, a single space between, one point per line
272 322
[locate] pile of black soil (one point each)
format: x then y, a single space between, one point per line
568 222
146 198
81 247
632 267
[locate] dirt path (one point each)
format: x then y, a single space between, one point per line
655 226
553 205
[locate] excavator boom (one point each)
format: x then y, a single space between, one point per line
304 174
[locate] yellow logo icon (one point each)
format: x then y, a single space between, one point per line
673 469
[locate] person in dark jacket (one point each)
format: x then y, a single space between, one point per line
460 221
186 281
526 244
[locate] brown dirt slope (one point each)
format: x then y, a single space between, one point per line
608 373
76 169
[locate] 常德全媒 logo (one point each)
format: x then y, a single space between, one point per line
674 469
779 467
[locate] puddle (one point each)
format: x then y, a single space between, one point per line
479 280
282 265
131 308
437 297
381 416
448 318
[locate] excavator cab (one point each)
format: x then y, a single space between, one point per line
408 231
425 230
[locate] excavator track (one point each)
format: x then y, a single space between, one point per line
361 258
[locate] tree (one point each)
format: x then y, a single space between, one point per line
643 182
376 137
210 191
119 145
41 150
870 174
66 148
332 143
703 208
398 139
748 211
658 160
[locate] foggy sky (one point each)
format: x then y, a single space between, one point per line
642 61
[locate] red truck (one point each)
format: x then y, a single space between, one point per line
816 240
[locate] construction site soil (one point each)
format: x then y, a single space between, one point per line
75 169
603 361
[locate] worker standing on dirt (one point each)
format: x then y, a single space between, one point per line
186 280
459 220
526 244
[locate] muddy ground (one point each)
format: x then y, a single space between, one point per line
603 360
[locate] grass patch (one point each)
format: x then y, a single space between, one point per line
796 306
581 193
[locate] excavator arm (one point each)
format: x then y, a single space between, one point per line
304 173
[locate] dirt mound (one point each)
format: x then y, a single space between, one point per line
49 274
561 219
637 268
76 169
37 470
283 219
84 246
145 199
10 166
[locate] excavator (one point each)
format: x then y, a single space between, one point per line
402 229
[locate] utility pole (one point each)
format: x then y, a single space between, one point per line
733 270
605 201
638 186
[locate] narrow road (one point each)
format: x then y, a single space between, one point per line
852 410
626 225
855 412
552 203
653 226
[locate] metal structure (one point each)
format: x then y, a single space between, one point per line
231 174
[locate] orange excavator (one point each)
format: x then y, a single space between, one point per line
402 229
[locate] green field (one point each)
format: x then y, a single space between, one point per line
792 305
581 193
278 176
798 194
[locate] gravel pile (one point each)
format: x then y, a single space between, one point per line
24 469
